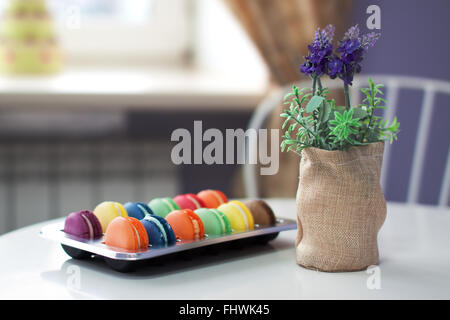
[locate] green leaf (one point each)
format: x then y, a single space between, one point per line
338 116
332 103
365 91
324 113
314 103
354 123
333 122
340 109
359 113
348 115
353 131
288 95
371 84
379 91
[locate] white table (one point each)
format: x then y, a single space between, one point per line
414 250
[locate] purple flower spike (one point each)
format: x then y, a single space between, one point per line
346 62
352 48
319 52
368 40
352 33
349 46
335 67
328 32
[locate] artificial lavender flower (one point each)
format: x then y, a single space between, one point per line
319 52
349 53
351 49
352 33
351 56
335 67
328 32
368 40
349 46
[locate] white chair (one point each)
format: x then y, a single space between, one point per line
393 84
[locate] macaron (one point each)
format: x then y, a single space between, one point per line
214 221
126 233
262 214
137 210
189 201
159 231
186 224
107 211
83 224
238 214
163 206
212 198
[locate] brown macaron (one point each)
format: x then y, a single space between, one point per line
261 212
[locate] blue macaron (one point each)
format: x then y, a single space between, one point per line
137 210
159 231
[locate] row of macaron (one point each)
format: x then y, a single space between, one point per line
134 226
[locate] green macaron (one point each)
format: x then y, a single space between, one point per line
214 221
163 206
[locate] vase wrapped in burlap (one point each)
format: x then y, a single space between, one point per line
340 208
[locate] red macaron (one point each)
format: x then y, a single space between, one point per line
189 201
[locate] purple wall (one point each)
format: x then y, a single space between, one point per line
414 42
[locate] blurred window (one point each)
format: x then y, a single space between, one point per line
123 31
132 12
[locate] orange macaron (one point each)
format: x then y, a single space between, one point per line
126 233
212 198
186 224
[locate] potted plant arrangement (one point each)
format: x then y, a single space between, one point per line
340 204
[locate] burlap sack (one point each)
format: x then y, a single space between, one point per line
340 208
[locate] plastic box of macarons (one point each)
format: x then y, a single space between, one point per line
138 227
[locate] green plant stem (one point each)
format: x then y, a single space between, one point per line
368 126
315 78
347 96
316 118
371 103
302 124
298 99
314 85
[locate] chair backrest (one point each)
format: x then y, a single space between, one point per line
393 84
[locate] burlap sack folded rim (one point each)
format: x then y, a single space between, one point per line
337 156
369 155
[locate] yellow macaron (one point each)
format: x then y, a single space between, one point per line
107 211
238 214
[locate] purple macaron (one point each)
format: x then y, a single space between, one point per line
83 224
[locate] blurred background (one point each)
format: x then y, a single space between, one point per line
91 90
